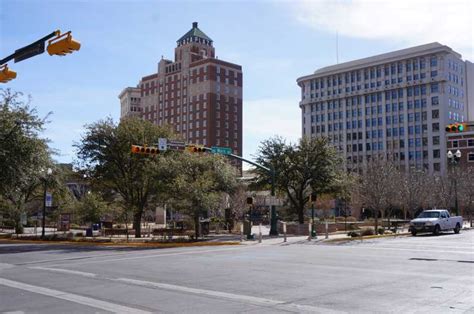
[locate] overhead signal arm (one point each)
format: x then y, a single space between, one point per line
61 45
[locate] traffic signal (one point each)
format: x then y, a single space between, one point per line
145 150
6 74
61 47
195 148
456 128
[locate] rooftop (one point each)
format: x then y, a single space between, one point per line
195 32
400 54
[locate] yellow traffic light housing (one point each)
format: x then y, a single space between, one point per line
61 47
6 74
144 150
456 128
193 148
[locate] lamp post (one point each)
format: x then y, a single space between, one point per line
454 160
45 181
313 200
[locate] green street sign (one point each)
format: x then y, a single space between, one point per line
221 150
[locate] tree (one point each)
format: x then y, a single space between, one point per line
237 205
91 208
104 152
414 190
199 181
376 186
23 154
309 166
466 191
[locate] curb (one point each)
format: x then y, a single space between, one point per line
405 234
121 244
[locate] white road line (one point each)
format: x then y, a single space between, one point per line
230 296
208 293
156 255
71 297
66 271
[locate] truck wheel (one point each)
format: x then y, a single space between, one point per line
413 233
457 229
436 231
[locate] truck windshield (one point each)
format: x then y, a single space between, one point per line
429 215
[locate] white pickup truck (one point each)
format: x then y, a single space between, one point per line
435 220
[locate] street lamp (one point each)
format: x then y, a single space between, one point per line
313 200
49 171
454 160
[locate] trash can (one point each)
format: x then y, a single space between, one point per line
89 232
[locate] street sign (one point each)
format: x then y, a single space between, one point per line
162 144
176 145
23 219
49 200
29 51
221 150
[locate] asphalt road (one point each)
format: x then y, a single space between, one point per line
423 274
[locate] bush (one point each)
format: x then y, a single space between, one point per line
352 226
353 234
348 219
380 230
368 232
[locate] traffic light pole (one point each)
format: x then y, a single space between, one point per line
35 48
271 171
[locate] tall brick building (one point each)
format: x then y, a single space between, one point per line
197 94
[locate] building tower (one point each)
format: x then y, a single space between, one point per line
394 105
197 94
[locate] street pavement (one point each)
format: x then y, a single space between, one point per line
423 274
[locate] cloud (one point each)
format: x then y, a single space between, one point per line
265 118
406 22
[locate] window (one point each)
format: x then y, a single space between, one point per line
470 142
435 114
435 140
455 144
470 157
436 153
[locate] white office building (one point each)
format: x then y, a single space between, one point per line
395 104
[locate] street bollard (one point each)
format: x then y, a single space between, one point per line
309 231
260 233
242 232
284 231
327 235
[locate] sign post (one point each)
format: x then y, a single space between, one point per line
49 199
162 144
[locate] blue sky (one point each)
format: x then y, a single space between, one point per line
275 42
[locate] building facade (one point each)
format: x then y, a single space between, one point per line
394 105
197 94
464 142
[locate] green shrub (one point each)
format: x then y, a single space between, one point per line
380 230
353 234
352 226
368 232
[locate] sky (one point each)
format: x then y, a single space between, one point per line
275 42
